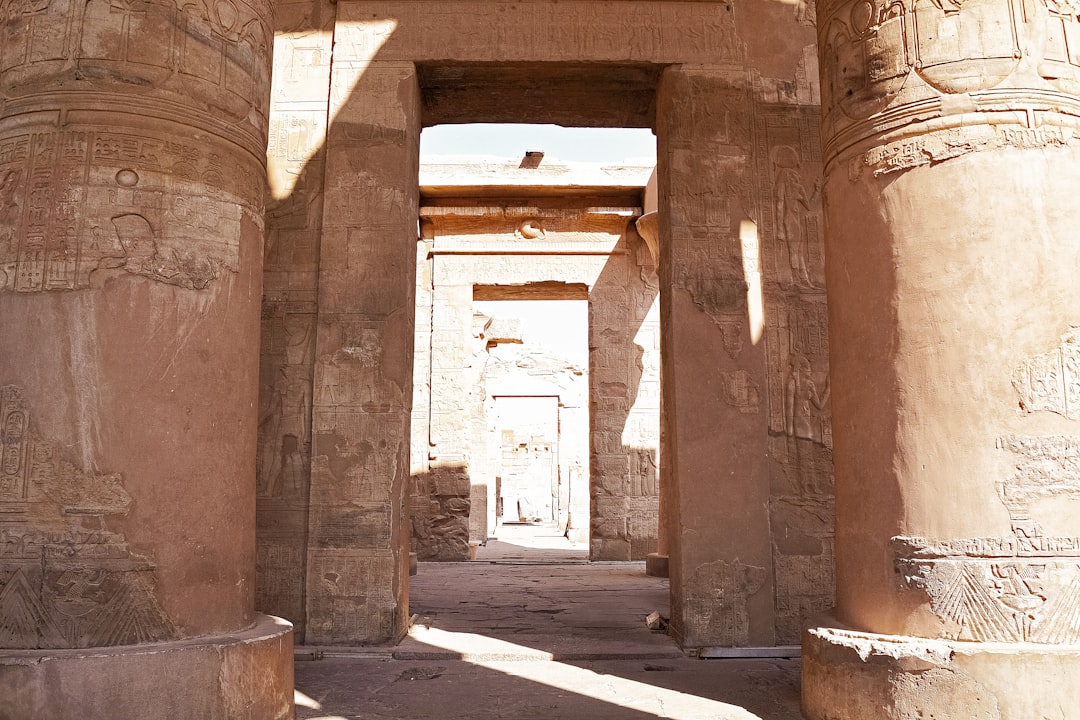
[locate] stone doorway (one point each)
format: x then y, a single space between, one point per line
509 234
739 255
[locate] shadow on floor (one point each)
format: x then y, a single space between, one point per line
517 638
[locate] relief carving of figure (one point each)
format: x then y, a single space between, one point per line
792 205
804 403
138 253
804 422
288 480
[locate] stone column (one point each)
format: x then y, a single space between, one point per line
358 548
446 534
420 423
714 451
952 162
132 168
300 92
656 563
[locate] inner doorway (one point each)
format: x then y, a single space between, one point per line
536 386
521 231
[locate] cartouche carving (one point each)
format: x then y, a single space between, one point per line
1051 381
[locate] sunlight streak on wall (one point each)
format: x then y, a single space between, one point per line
299 116
751 256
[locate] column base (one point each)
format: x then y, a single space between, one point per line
656 565
414 564
248 674
857 676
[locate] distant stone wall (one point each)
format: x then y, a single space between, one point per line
568 250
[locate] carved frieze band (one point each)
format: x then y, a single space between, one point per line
924 65
1020 589
79 207
217 51
66 579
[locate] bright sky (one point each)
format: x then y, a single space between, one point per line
613 145
561 326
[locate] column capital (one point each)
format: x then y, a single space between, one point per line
959 75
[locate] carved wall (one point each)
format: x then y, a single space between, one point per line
296 167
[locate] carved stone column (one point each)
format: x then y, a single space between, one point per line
713 368
648 227
132 142
952 143
358 547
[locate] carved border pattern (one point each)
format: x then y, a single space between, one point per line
1022 589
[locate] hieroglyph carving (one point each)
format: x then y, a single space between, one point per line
945 144
739 390
1046 467
925 81
80 207
1020 589
1051 381
716 600
66 579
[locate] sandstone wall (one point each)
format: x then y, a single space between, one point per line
296 164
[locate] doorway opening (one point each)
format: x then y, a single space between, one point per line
536 389
541 233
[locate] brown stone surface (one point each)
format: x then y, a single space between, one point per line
246 674
131 225
849 674
132 403
531 634
956 483
747 448
129 286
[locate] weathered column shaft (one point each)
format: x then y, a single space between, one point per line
713 374
953 160
131 198
357 574
624 380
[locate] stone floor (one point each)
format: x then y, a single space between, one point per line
530 630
